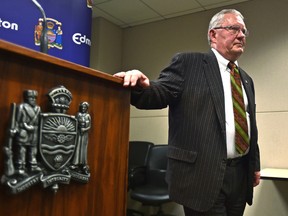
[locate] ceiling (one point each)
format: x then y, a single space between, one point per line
127 13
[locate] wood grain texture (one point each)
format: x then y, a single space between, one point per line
105 193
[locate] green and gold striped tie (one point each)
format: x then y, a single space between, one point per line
241 127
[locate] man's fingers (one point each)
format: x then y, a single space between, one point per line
132 77
119 74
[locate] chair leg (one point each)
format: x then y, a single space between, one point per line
132 212
161 213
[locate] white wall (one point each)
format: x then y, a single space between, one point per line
150 47
106 48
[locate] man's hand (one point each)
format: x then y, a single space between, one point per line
256 179
133 78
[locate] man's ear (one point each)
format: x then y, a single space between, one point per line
212 35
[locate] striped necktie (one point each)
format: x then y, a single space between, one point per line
241 127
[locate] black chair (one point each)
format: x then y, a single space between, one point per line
154 191
137 162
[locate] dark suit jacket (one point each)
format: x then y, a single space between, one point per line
192 88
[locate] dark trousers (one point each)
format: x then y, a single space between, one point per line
232 197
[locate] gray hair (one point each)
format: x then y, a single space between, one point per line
218 18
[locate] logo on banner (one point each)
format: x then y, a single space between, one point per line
54 32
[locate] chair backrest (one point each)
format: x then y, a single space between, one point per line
157 165
158 157
138 153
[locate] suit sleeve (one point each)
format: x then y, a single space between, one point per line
164 91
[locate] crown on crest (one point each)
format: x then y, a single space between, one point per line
60 97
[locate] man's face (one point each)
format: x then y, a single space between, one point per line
229 42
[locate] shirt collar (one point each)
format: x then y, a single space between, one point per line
222 62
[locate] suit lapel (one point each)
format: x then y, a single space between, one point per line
248 89
212 72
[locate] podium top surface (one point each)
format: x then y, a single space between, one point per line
42 57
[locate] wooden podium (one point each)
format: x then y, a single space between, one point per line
105 193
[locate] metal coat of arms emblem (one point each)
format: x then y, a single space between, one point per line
48 148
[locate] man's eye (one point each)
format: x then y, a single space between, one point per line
235 28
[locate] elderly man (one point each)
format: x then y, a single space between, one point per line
213 149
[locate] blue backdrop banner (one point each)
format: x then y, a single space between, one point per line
68 22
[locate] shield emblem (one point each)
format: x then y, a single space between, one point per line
57 139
